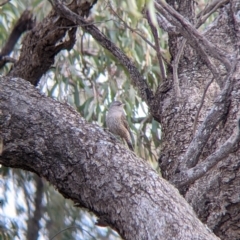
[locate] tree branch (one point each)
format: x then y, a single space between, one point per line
42 43
24 23
45 41
175 64
7 59
87 166
188 177
235 13
219 109
137 79
195 39
130 28
166 25
208 10
201 104
157 46
4 2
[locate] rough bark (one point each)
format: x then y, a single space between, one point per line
86 165
186 146
46 40
24 23
203 80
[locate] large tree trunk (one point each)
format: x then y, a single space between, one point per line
215 196
86 165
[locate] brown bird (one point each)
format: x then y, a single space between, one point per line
117 122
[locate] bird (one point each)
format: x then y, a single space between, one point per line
117 122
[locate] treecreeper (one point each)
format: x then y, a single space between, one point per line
117 122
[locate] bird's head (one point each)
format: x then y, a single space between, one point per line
116 104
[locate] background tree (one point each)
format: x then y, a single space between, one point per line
188 81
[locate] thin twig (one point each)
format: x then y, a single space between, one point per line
201 104
7 59
1 145
137 32
187 177
175 68
158 49
137 78
166 25
195 39
130 28
65 229
208 10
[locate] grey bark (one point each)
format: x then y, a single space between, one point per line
214 195
24 23
45 41
86 165
211 186
136 77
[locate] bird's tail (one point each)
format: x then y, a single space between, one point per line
130 141
130 145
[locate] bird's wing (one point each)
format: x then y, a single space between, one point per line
124 120
125 123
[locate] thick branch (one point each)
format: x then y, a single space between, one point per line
45 41
201 19
138 81
87 166
24 23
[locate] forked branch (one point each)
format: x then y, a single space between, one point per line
195 39
24 23
219 109
189 176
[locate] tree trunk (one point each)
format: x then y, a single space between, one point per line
86 165
215 195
